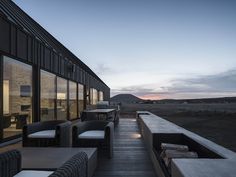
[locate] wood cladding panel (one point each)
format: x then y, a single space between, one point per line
13 40
47 58
62 66
22 45
74 73
41 56
30 49
78 74
66 65
4 36
36 52
55 62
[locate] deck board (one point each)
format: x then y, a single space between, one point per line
130 155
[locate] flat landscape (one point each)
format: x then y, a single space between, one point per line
214 121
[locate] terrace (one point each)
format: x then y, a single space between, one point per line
136 151
130 154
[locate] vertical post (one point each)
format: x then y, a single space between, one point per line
55 101
1 97
85 96
68 101
36 93
77 99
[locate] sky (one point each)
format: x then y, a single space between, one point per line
154 49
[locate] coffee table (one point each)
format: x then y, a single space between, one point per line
34 158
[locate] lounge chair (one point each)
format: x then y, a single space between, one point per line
94 134
10 165
48 133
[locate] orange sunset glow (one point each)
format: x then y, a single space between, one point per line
151 97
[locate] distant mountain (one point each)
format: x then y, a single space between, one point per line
125 98
200 100
129 98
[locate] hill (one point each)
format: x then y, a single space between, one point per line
125 98
200 100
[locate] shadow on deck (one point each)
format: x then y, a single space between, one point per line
130 154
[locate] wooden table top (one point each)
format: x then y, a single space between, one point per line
49 158
101 110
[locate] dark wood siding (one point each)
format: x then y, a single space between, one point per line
47 58
17 43
4 36
22 45
55 63
30 49
13 40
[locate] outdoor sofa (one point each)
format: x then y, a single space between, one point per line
10 166
94 134
49 133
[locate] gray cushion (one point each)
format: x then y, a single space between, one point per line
92 134
33 173
43 134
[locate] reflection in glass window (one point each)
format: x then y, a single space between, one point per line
73 100
17 96
48 96
101 97
93 96
81 98
61 99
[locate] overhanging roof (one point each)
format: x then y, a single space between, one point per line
19 17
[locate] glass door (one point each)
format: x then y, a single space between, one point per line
17 96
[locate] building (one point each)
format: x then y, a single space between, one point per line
40 79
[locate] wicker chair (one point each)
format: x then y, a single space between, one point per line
48 133
10 165
94 134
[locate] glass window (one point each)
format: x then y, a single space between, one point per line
61 99
101 98
81 98
17 96
73 107
48 96
93 96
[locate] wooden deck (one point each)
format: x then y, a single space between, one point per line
130 155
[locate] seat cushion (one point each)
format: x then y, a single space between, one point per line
43 134
92 134
33 173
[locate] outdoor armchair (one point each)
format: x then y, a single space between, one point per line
94 134
48 133
10 166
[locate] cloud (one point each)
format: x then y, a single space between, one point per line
102 69
222 82
218 85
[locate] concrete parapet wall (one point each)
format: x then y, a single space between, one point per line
151 125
